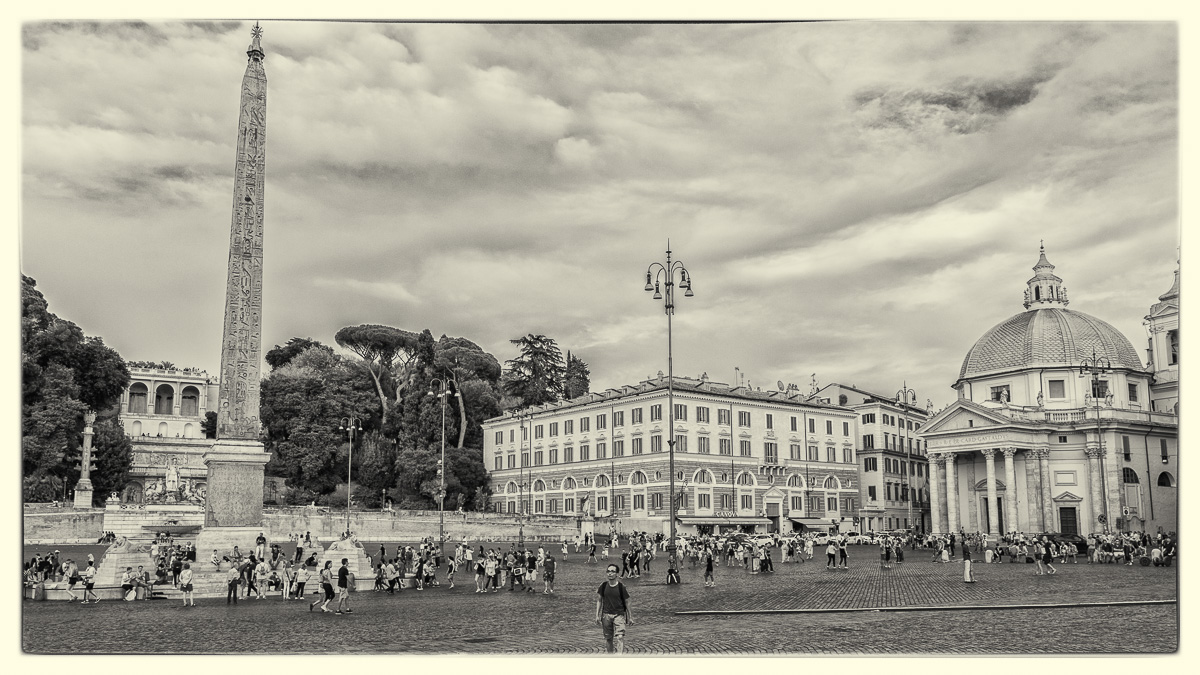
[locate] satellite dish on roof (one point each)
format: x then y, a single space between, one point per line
779 383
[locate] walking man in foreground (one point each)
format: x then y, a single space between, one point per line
612 610
344 588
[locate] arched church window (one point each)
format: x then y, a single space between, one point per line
1165 480
1128 475
137 398
164 400
189 404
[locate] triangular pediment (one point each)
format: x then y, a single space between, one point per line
963 414
773 491
1163 309
1068 497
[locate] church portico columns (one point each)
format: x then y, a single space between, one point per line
1010 486
1043 455
951 495
989 460
935 493
1095 481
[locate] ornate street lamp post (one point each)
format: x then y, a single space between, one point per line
521 418
443 386
904 398
349 425
1095 367
656 275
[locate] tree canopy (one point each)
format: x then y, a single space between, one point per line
63 374
303 399
281 356
379 347
536 376
576 377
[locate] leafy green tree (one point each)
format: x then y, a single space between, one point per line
209 424
64 373
112 452
577 377
281 356
536 376
377 466
51 431
380 348
300 405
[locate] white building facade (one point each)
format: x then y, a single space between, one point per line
745 460
1037 442
163 411
892 466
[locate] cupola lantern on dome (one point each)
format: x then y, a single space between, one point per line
1044 289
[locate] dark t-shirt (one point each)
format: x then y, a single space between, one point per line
548 564
343 577
612 598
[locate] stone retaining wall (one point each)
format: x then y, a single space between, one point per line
412 525
69 526
63 526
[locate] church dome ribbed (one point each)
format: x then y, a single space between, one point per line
1050 336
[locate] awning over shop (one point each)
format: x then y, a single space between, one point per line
812 523
715 520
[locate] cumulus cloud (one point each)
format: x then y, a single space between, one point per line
858 199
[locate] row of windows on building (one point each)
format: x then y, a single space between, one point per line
1057 391
701 478
164 400
817 504
1164 455
896 492
893 442
703 446
1130 477
894 466
892 421
681 415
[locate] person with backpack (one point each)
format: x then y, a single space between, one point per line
612 611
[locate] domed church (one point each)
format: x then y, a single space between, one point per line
1058 426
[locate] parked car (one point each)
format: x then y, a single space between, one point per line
822 539
762 540
853 537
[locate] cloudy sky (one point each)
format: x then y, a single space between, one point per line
859 200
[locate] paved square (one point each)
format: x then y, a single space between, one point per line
443 620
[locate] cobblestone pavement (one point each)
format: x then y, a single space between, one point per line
443 620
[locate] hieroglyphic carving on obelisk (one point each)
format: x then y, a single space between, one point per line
241 341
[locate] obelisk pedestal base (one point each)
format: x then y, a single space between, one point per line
83 494
233 497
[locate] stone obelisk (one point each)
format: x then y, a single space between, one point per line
233 501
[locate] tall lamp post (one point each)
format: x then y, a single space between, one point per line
349 425
443 392
1096 366
664 274
904 398
521 418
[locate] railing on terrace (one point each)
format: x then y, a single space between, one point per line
173 440
1086 415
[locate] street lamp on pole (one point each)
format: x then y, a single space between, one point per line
1096 366
443 393
904 398
349 425
521 418
657 275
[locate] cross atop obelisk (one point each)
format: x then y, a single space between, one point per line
241 341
